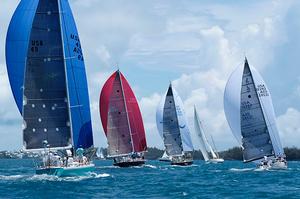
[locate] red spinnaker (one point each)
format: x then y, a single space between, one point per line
109 102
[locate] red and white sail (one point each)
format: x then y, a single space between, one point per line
121 117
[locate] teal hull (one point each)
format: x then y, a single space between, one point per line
66 171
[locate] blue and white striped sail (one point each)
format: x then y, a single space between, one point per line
250 114
47 75
172 124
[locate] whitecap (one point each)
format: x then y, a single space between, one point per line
241 170
12 177
151 166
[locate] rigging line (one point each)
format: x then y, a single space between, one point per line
68 46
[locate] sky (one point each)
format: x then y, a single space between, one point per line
195 44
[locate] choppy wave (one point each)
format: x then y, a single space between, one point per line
150 166
46 177
11 177
241 170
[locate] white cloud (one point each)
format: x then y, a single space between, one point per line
289 127
148 106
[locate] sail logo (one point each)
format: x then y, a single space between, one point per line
262 91
77 48
179 111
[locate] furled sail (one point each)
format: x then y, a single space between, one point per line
121 117
172 123
47 75
249 112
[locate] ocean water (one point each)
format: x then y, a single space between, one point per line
232 179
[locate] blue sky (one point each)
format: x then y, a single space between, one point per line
196 44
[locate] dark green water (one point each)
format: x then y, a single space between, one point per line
154 180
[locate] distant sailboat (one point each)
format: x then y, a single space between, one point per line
100 154
165 158
48 80
250 114
204 144
122 122
172 125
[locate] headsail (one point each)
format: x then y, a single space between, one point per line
203 139
171 121
201 136
250 114
44 75
121 117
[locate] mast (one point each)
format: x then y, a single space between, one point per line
127 116
66 77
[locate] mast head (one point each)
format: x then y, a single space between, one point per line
246 61
170 84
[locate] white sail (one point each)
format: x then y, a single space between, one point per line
182 123
268 111
214 151
247 100
159 115
165 156
200 135
204 144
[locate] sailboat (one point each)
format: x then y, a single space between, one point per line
48 80
250 114
122 122
100 154
165 157
205 147
172 126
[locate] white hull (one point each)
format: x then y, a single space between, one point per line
277 165
216 160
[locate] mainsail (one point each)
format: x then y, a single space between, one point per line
121 117
249 112
204 144
47 75
172 124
